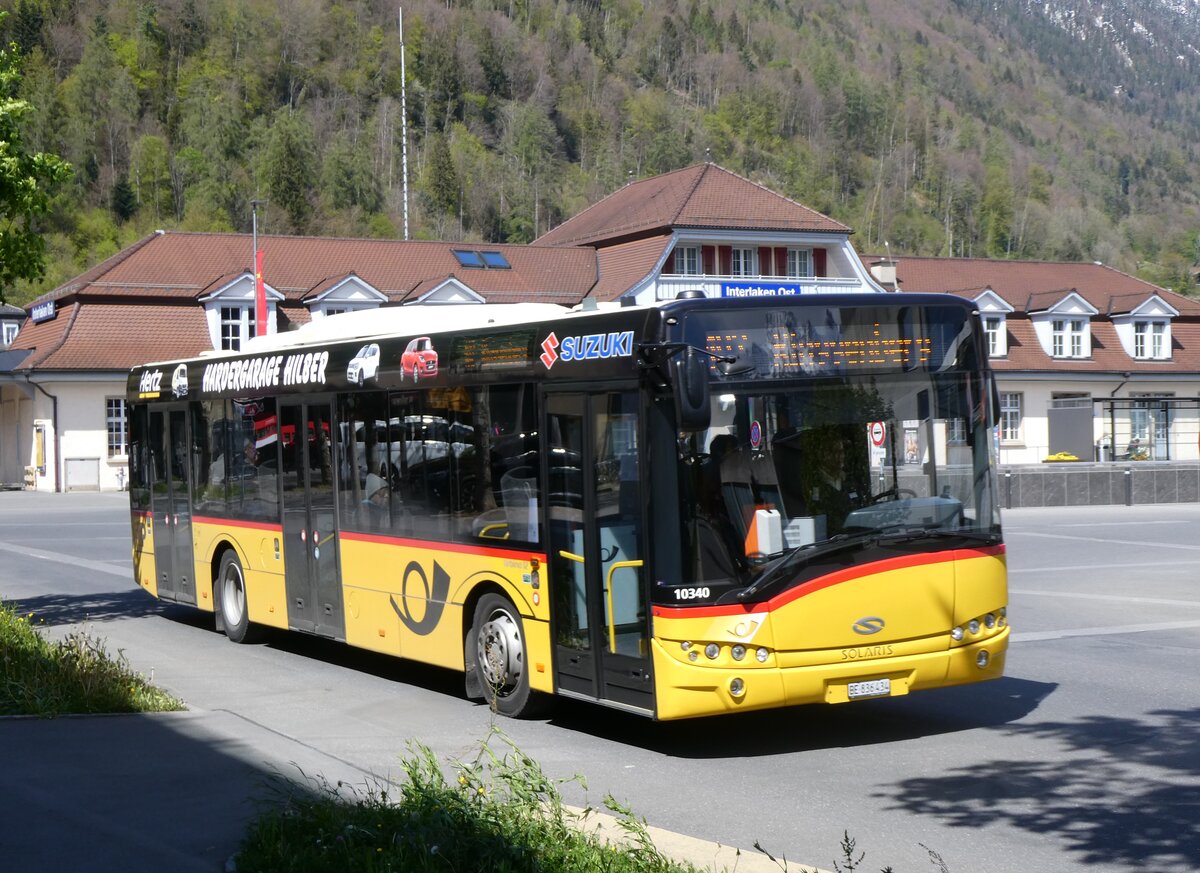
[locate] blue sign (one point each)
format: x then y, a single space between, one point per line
760 288
40 312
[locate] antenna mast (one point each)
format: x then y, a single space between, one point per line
403 124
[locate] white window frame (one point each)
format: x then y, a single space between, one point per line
1150 339
1011 416
116 425
1067 337
799 264
688 261
994 327
9 333
743 261
237 324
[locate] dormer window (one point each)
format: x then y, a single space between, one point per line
1068 338
237 326
1150 339
997 335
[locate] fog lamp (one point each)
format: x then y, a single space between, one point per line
737 687
981 660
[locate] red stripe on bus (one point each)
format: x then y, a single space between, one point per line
458 548
822 582
237 522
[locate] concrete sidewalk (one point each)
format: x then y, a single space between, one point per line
175 791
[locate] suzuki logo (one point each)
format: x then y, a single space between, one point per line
871 624
549 353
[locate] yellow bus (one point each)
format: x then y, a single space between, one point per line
698 507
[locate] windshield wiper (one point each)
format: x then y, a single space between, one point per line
841 542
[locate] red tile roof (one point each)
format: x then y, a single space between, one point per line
1029 286
625 265
699 196
114 336
178 264
140 304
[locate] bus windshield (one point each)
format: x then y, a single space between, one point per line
850 466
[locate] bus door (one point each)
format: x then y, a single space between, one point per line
594 509
308 501
170 503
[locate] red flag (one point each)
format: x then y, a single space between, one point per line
260 296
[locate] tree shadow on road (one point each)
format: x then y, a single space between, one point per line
1123 791
60 609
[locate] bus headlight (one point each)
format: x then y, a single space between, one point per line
989 621
711 651
973 625
761 654
738 652
956 634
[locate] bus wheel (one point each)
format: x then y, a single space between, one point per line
500 657
231 599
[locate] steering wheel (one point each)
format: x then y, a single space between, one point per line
894 494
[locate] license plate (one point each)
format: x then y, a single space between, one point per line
869 688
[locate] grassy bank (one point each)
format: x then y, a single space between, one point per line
496 813
75 675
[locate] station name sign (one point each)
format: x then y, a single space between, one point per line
40 312
742 290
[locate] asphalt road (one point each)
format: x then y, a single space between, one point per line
1086 756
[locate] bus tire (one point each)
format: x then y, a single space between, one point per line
498 659
231 600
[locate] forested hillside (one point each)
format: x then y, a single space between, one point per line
1060 130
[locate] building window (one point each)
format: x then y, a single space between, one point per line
237 325
687 260
117 426
335 310
10 334
993 326
799 263
1010 416
1149 339
1067 337
743 263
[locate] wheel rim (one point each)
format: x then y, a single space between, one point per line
233 595
500 652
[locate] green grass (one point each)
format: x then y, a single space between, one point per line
72 676
497 814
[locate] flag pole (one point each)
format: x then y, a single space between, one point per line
403 125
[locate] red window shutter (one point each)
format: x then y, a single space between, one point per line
819 263
765 261
669 263
725 254
708 254
780 262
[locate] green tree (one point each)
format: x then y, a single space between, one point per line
25 183
289 166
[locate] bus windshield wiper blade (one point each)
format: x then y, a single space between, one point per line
840 542
789 559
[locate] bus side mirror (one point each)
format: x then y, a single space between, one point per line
693 411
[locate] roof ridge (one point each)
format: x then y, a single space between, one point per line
687 197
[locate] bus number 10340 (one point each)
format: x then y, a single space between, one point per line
691 593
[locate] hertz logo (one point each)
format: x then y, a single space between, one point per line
871 624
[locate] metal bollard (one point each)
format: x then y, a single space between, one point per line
1008 489
1128 487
